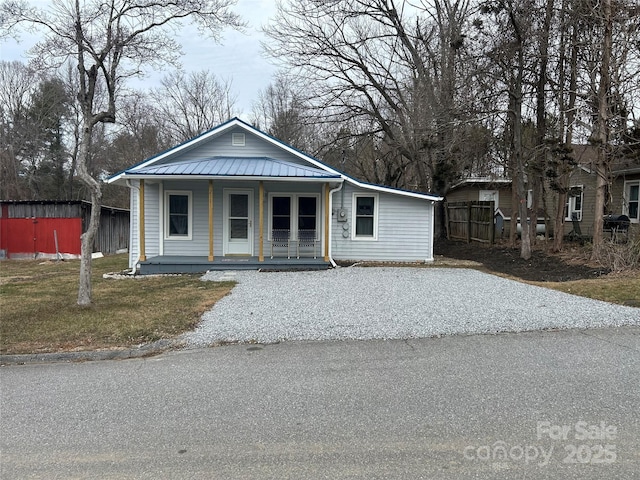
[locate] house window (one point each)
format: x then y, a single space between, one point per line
365 213
307 213
178 207
294 212
573 206
632 200
281 213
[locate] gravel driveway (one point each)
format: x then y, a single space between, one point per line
388 302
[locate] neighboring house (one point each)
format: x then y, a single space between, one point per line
484 189
235 197
580 205
622 198
52 228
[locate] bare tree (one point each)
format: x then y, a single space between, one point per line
17 84
388 70
108 42
188 105
602 113
564 91
281 111
508 52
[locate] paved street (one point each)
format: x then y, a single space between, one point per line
543 405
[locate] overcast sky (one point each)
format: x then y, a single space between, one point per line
238 58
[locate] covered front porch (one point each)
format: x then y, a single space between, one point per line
165 264
215 221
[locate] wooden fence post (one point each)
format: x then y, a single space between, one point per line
468 222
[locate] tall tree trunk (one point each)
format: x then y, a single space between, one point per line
84 289
541 121
601 133
533 210
567 111
513 234
516 93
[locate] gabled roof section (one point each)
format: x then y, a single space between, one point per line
221 167
134 171
481 181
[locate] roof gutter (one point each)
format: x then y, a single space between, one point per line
228 177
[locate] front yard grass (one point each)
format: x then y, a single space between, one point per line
623 290
38 310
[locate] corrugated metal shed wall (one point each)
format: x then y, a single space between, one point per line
113 233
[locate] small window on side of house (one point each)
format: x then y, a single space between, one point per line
178 215
632 200
365 210
573 206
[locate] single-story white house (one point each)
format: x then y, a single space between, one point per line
235 197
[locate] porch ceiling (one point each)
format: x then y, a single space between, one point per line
235 167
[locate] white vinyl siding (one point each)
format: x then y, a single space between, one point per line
151 222
403 234
178 215
198 243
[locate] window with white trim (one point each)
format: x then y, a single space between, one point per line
281 212
365 216
573 205
308 213
178 215
632 200
294 212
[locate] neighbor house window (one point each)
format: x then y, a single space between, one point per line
573 206
178 215
631 200
365 213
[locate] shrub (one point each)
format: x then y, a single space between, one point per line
618 255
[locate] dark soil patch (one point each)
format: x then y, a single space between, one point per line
541 267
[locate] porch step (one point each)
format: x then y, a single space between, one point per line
173 264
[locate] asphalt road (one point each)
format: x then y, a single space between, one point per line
545 405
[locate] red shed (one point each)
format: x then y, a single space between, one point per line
52 228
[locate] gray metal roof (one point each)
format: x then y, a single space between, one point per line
235 167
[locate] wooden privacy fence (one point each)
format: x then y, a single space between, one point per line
470 221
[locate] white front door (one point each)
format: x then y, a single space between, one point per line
238 222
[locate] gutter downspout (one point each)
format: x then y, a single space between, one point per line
134 268
331 192
433 229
